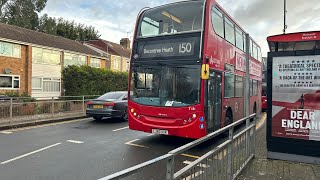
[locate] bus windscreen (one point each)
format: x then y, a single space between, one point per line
169 85
172 18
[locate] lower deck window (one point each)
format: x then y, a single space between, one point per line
239 86
9 82
253 87
228 85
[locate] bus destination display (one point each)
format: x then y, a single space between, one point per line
169 48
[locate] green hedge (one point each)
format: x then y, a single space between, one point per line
86 80
23 97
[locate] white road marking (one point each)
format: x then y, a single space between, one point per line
194 175
150 134
6 132
120 129
75 142
30 153
137 145
200 165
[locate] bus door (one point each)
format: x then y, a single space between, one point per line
214 101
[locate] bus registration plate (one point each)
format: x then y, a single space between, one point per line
159 131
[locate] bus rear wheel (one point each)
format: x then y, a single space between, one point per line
254 111
227 121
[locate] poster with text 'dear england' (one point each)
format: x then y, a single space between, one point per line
296 97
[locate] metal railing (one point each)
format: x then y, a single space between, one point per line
21 109
222 162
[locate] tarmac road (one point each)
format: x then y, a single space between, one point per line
86 149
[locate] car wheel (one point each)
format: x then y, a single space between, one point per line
125 115
97 118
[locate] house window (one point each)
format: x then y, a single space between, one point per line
9 49
74 59
45 56
46 84
117 63
95 62
9 82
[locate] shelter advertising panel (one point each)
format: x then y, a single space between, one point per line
296 97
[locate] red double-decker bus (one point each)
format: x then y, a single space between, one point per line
187 70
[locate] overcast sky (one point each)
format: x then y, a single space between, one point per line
115 19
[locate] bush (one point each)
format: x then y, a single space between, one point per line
86 80
16 96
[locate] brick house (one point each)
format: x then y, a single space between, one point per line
119 54
31 62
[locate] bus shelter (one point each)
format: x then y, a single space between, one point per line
293 95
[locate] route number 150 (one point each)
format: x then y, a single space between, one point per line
185 48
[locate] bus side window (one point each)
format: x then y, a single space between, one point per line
317 45
217 21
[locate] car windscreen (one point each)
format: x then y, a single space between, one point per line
111 95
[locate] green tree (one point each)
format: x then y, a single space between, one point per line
2 5
23 13
47 25
74 31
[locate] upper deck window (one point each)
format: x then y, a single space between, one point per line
172 18
229 31
217 21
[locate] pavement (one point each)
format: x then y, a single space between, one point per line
261 168
25 122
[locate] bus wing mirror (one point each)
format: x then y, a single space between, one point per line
205 71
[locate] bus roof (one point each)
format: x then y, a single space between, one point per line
216 3
235 22
295 37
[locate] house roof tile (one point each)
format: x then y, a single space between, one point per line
110 47
38 38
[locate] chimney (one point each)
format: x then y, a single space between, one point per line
125 43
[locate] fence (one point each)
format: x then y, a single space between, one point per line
222 162
21 109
